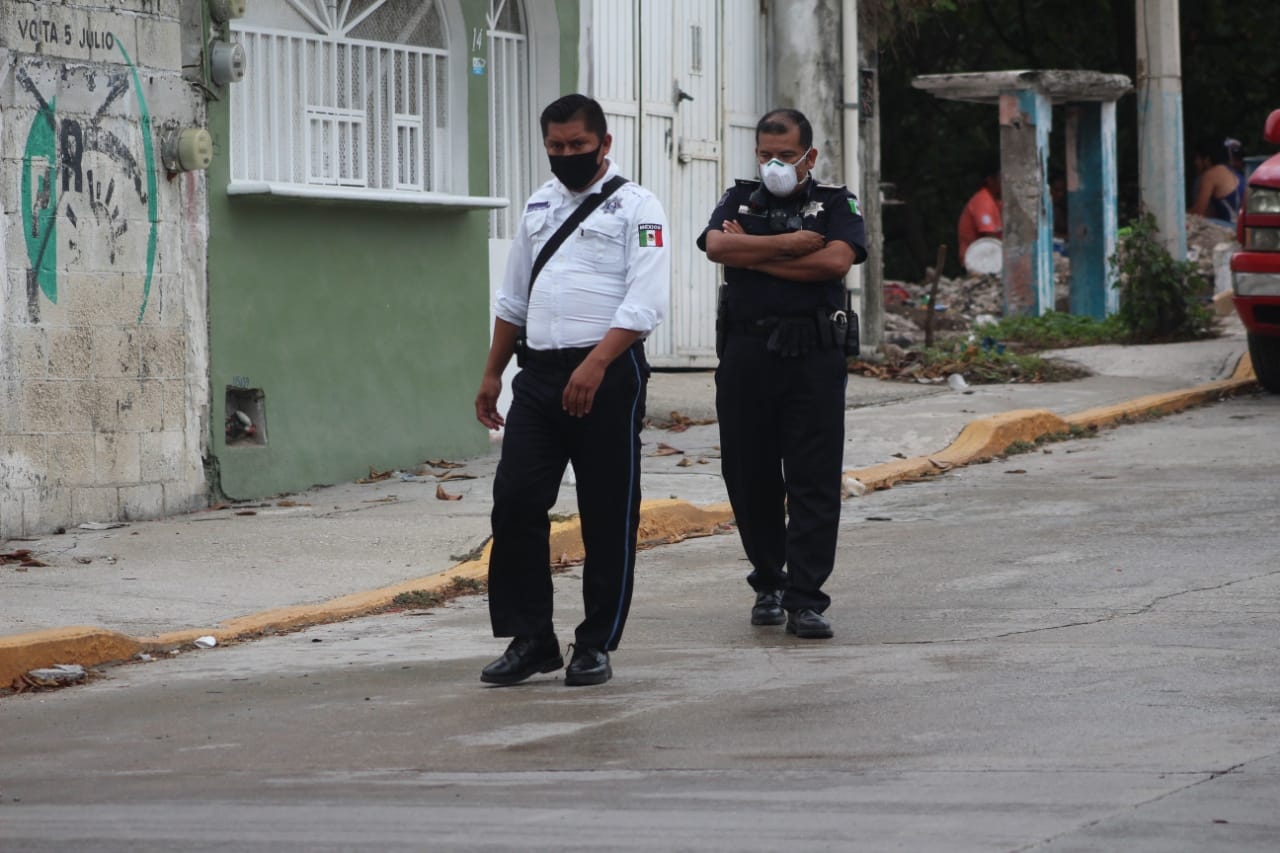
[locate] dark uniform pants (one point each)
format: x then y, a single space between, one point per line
539 440
782 455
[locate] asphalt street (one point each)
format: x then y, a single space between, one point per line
1070 649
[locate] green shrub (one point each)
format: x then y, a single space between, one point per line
1054 330
1160 299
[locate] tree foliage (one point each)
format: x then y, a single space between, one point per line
933 149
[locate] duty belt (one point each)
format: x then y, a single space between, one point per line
764 327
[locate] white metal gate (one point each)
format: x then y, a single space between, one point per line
682 109
510 149
354 98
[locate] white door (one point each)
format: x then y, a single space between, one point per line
658 67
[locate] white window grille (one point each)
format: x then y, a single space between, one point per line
511 142
343 93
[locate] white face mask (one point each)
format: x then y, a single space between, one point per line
780 177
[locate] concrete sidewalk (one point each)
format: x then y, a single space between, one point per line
331 553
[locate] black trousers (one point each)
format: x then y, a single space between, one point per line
782 456
539 440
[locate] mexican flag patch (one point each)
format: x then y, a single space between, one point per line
853 206
650 234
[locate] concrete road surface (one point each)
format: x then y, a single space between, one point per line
1073 649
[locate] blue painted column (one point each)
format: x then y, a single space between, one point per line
1092 207
1026 117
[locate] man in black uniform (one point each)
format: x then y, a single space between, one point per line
784 324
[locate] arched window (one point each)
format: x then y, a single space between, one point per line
510 136
347 94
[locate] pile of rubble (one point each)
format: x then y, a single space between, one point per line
961 303
973 299
1209 247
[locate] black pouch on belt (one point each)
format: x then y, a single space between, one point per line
722 319
852 345
830 325
792 337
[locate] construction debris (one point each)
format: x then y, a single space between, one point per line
964 302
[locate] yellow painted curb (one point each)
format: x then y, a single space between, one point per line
985 438
82 644
1244 369
661 521
1157 404
979 441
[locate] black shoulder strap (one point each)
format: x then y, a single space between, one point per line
583 210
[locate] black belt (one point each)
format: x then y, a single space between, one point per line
568 357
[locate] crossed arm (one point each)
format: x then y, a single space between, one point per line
797 256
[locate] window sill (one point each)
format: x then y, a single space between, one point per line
456 202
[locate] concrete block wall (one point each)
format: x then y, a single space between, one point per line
103 329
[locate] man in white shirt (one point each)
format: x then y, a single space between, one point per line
579 397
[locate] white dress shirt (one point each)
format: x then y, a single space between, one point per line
614 271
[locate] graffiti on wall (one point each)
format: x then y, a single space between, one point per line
76 165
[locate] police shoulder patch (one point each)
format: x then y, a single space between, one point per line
650 234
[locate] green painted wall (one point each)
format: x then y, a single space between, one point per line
365 325
568 12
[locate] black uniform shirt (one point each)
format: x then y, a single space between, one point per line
831 211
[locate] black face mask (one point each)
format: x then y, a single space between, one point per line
575 171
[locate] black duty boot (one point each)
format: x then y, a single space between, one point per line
768 608
523 658
588 666
808 625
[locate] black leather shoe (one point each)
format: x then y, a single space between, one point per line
524 657
808 625
588 666
768 609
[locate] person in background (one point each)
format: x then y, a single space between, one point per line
1216 189
981 214
1235 162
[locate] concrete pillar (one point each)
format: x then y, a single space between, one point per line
1026 118
872 314
806 74
1092 207
1161 160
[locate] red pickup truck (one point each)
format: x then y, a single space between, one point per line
1255 270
